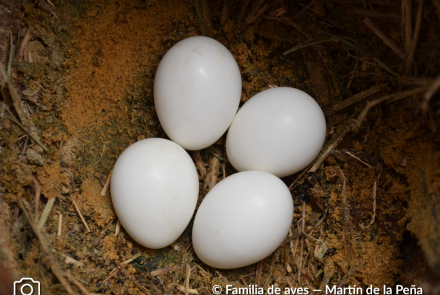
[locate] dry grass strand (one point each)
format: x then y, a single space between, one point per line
80 214
384 38
50 261
77 283
107 183
45 213
415 40
37 197
435 85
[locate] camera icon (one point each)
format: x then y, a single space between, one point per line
26 286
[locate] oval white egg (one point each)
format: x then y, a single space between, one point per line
243 219
154 189
197 90
279 130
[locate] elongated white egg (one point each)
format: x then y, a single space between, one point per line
197 90
154 188
279 130
243 219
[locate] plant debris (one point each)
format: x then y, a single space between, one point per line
77 89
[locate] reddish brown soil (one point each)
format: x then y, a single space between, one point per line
90 71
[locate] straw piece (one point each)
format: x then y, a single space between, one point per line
60 222
11 55
69 259
199 163
415 38
373 196
115 270
356 98
78 284
189 291
52 263
37 197
310 43
407 24
329 149
162 271
379 15
118 228
80 215
384 38
107 183
45 214
23 44
188 275
390 98
212 175
351 155
429 93
288 282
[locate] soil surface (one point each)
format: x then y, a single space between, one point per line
85 78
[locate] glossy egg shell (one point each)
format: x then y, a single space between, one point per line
154 189
243 219
197 90
279 130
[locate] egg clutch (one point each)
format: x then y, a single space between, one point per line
246 216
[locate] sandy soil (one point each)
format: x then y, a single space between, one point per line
86 78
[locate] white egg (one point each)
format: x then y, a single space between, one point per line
154 188
279 130
197 90
243 219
